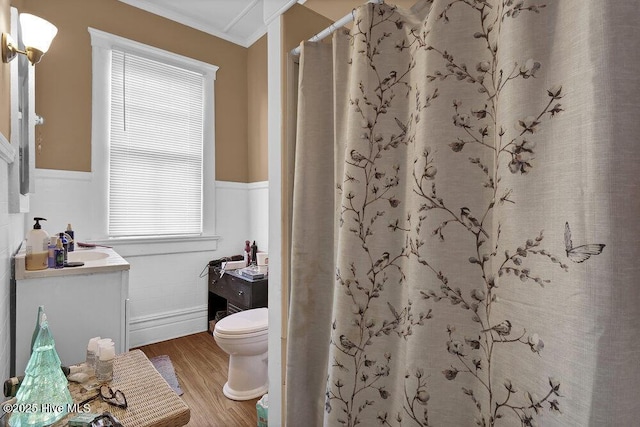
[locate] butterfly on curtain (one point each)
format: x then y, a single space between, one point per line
579 253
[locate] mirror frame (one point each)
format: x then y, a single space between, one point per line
23 120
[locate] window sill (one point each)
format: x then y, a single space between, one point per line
143 246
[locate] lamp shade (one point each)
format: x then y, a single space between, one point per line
37 33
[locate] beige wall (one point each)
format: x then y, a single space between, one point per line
299 23
336 9
257 118
5 89
63 79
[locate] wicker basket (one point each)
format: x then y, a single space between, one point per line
151 402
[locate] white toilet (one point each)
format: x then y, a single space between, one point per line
243 336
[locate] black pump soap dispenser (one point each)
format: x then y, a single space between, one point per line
254 253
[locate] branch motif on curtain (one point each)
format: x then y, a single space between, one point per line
445 277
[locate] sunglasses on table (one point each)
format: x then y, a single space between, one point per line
107 394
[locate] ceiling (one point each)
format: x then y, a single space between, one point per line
241 22
238 21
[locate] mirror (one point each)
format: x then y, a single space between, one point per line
27 117
23 120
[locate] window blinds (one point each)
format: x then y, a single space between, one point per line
156 148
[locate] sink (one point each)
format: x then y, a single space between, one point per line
95 260
85 256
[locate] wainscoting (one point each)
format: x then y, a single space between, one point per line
168 296
11 233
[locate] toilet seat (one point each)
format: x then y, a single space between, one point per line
239 337
244 323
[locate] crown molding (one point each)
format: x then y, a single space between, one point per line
151 7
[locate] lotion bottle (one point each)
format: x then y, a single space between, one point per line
59 254
65 245
37 248
52 252
72 238
247 253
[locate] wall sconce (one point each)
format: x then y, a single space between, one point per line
37 35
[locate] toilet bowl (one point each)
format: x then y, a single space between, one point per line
243 336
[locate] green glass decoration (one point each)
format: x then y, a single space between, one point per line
36 328
43 397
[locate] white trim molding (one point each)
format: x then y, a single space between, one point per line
154 328
274 9
274 154
108 41
64 175
162 245
231 185
259 185
102 45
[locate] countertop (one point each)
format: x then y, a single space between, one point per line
96 260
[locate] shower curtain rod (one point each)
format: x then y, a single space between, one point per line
333 27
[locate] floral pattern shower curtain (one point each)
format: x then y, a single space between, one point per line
465 218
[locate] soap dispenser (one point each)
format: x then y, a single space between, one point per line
37 247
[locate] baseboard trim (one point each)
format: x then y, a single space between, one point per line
154 328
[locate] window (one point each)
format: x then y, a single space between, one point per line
155 156
153 140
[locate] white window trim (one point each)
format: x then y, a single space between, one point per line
102 44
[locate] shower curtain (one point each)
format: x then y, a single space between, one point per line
464 235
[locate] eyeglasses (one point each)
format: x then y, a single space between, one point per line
107 394
105 420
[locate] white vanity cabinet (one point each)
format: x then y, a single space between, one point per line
80 303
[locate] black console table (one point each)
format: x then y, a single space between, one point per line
233 292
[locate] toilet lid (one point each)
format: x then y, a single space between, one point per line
244 322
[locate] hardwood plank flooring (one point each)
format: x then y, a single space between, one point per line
201 367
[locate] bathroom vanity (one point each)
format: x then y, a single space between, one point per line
80 303
233 292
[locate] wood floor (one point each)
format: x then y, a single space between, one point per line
201 367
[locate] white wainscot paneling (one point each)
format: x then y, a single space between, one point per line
63 197
168 298
5 275
243 210
11 234
259 214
